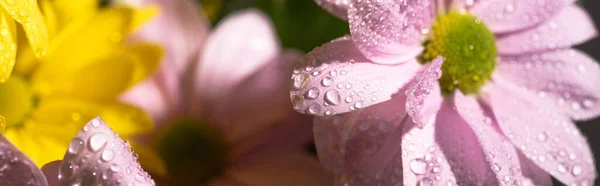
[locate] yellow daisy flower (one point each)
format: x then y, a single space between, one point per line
87 65
27 13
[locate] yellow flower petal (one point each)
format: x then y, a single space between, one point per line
50 16
15 100
149 159
2 125
8 46
70 10
122 118
28 14
49 144
143 15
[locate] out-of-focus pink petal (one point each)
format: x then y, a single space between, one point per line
51 172
461 148
561 31
241 44
16 168
502 16
499 153
98 156
336 78
390 31
461 4
181 28
533 175
276 168
542 133
148 96
262 98
568 79
338 8
348 144
418 93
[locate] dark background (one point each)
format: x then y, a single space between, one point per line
592 128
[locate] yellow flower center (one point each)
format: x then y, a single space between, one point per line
469 51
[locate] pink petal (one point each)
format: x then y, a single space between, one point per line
336 78
461 4
242 43
390 31
500 154
51 172
148 96
558 32
260 99
461 148
502 16
568 79
16 168
423 160
545 136
98 156
338 8
419 91
349 144
533 174
278 168
180 27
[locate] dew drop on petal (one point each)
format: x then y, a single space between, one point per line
97 141
418 166
332 97
76 146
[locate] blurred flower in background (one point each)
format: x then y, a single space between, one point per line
224 117
27 13
86 67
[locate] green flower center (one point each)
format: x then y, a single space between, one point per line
193 151
469 51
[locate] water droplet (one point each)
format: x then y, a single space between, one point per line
97 141
587 103
314 108
114 167
327 81
349 99
343 73
332 97
76 146
300 81
107 155
577 170
562 167
95 123
333 73
436 169
358 104
313 93
425 182
418 166
496 167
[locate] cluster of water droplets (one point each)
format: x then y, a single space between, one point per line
28 14
506 16
549 139
329 80
556 76
418 92
98 156
16 168
383 27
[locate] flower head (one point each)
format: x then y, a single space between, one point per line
223 112
85 69
501 112
96 156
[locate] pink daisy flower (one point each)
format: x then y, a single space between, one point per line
220 102
500 110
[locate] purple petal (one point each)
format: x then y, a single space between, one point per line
568 79
561 31
336 78
503 16
500 154
545 136
533 174
418 92
98 156
363 142
461 148
338 8
16 168
51 172
390 31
